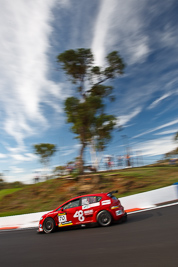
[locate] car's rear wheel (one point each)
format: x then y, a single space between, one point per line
104 218
49 225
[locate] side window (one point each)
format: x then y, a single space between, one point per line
98 198
85 201
90 199
72 204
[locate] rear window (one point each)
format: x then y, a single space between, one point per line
111 196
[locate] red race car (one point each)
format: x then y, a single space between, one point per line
100 208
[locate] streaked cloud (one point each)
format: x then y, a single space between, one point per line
158 128
124 119
15 169
167 132
112 21
3 156
25 30
157 101
155 147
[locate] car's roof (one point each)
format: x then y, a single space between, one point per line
88 195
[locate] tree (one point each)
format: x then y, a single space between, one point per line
59 170
175 151
2 182
86 110
176 137
45 151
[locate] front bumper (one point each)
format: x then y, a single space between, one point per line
40 228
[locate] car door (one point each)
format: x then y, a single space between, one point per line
90 205
72 212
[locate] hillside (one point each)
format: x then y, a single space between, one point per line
50 194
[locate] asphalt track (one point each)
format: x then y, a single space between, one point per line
149 238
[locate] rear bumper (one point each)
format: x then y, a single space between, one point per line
118 213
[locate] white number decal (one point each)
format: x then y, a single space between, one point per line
62 218
79 214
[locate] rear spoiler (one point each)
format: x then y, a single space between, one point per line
113 192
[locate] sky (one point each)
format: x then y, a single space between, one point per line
33 87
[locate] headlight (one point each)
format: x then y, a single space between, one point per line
41 218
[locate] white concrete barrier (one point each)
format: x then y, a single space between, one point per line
150 198
21 221
138 201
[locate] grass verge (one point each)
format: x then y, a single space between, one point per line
50 194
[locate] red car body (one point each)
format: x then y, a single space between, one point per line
103 208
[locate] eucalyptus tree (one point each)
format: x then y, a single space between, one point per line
45 151
85 110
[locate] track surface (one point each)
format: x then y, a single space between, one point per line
149 238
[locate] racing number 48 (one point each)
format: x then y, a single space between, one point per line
79 214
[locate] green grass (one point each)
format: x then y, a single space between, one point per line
5 192
50 194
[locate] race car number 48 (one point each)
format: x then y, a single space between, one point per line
79 214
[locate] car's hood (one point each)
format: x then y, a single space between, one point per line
50 214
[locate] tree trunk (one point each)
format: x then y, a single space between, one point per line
95 159
81 161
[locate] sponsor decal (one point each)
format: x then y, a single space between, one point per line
84 207
114 207
95 204
65 223
106 202
62 217
88 212
118 212
79 215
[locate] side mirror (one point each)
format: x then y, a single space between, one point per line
62 209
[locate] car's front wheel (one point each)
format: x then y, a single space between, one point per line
49 225
104 218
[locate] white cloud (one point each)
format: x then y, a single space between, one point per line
167 132
25 40
158 128
18 157
102 29
155 147
70 150
124 119
157 101
15 150
119 24
15 169
3 156
23 157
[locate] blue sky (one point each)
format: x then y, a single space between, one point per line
33 88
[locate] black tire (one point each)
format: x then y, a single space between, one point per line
49 225
104 218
